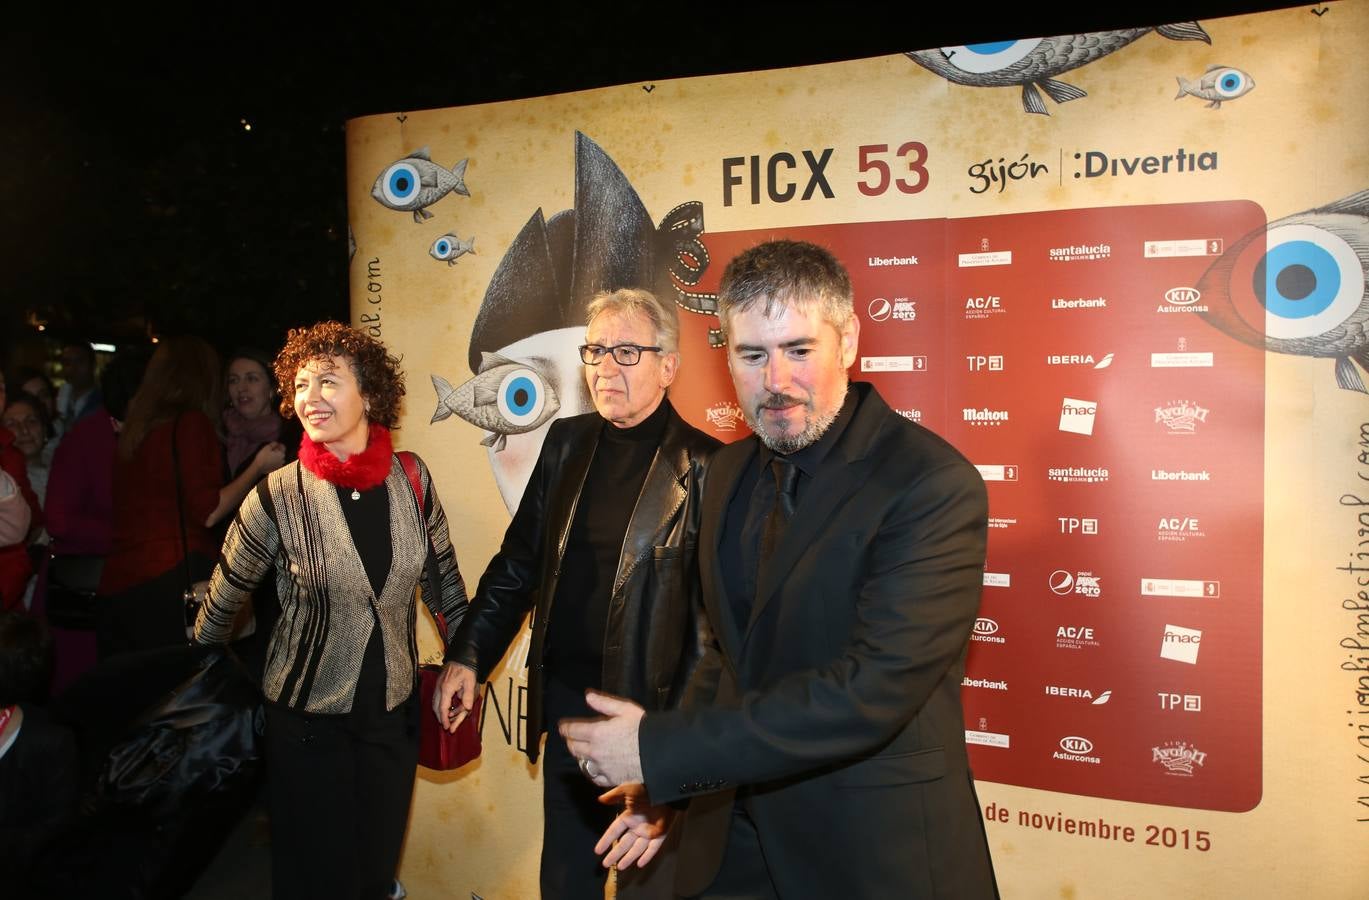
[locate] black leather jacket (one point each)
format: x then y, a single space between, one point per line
651 642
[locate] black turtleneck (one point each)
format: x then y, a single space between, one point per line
579 611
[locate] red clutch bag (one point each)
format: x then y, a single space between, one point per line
439 748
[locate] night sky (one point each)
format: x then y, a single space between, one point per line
136 201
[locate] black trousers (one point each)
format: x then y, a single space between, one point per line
339 789
744 874
572 817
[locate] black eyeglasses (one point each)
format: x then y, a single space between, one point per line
623 354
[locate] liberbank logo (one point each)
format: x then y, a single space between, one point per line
984 684
1076 749
1179 475
1079 303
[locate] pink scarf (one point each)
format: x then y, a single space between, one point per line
244 436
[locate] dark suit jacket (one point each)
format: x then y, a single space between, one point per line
651 642
839 703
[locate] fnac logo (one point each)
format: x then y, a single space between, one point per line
1182 296
1076 744
985 626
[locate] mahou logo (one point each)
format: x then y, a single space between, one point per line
985 417
1182 417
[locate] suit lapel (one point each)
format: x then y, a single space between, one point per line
836 483
724 472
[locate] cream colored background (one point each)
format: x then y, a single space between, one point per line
1299 140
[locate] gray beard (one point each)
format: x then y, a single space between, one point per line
813 429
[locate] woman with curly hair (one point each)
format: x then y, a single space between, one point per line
342 532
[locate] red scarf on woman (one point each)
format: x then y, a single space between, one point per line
360 471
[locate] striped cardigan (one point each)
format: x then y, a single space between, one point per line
293 523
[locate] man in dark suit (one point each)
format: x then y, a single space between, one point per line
821 742
601 550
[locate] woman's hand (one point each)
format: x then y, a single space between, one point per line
269 458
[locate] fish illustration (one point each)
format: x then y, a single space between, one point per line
450 247
1298 286
523 345
1032 63
507 397
415 182
1217 84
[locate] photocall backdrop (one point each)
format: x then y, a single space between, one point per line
1124 272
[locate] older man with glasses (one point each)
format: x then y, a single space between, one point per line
601 550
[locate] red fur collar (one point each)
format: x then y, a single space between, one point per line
362 471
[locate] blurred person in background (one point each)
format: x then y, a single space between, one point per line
168 491
38 762
32 381
26 417
15 565
251 421
78 397
79 507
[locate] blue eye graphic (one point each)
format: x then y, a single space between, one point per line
442 249
1299 287
400 183
521 397
1309 281
991 57
1230 83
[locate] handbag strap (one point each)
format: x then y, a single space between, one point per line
180 502
409 463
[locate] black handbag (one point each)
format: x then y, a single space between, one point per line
69 600
203 739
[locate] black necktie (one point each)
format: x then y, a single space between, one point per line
786 480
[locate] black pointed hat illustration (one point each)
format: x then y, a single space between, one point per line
554 267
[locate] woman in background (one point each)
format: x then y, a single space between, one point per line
342 534
27 419
251 418
168 491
